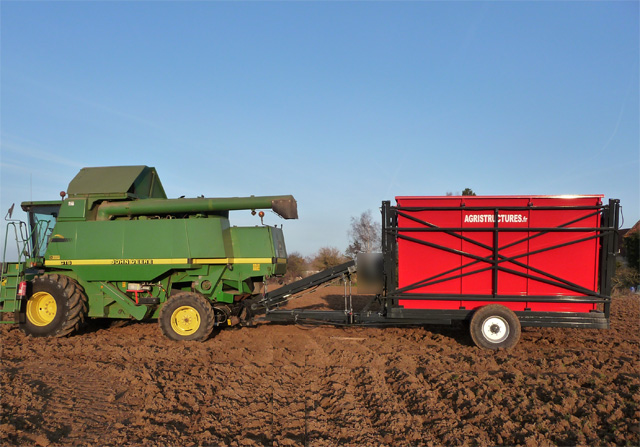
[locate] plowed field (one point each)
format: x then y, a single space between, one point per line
323 386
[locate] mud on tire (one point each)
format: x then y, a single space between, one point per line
495 327
56 307
187 316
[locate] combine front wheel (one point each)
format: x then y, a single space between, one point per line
494 327
187 316
57 307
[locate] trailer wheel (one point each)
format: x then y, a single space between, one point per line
187 316
495 327
56 307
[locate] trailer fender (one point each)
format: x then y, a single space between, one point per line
495 327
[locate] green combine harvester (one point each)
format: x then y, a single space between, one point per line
116 247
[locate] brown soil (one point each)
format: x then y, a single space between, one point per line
292 385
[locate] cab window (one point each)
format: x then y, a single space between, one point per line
42 219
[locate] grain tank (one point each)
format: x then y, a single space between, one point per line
117 247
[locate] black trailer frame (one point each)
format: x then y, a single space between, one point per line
391 313
607 233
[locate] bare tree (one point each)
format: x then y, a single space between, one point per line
364 235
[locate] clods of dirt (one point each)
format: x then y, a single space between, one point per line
294 385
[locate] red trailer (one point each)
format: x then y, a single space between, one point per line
497 262
502 261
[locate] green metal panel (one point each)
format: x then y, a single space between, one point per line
138 239
73 209
206 237
254 242
117 181
260 242
135 249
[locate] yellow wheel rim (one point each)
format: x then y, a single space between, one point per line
185 320
41 308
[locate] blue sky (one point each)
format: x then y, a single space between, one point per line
341 104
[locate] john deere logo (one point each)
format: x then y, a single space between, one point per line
132 261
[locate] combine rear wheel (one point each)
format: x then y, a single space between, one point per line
495 327
56 307
187 316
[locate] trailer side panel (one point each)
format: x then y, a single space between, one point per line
530 253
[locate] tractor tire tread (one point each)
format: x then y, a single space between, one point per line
76 303
208 318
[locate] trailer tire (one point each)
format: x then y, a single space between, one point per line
56 307
495 327
187 316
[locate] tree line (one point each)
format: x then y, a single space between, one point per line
364 237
